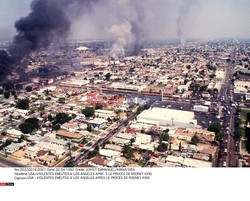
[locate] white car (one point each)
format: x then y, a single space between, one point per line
224 164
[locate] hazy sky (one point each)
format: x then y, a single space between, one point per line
206 19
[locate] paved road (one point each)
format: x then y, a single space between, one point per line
102 140
228 145
4 162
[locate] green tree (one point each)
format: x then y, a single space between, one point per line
88 112
219 136
28 88
132 141
56 127
26 128
195 140
8 86
164 137
89 128
13 92
61 118
61 100
162 147
6 94
180 147
107 76
1 91
50 118
127 152
19 87
33 121
216 127
23 104
98 107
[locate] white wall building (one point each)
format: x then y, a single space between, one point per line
201 108
169 117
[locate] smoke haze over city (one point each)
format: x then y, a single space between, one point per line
156 19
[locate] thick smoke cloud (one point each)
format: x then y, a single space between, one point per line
49 20
184 13
4 62
129 31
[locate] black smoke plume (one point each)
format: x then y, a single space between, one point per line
49 20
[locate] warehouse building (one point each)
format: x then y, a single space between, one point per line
168 117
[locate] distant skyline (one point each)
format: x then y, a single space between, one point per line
205 19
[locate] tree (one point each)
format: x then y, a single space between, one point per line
118 112
84 141
8 86
164 137
195 140
28 88
107 76
219 136
1 91
180 147
61 118
88 112
33 121
13 92
23 104
56 127
89 128
162 147
127 152
61 100
19 87
50 118
98 107
6 94
216 127
26 128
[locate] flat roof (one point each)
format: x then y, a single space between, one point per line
167 114
190 162
68 134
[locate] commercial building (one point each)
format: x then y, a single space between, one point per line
75 137
201 108
168 117
104 113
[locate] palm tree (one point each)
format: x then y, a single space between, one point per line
69 148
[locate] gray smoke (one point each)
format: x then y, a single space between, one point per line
184 12
49 20
128 32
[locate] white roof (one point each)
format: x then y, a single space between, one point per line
98 121
190 162
174 159
14 132
82 48
109 153
119 140
58 141
125 136
104 111
167 114
45 145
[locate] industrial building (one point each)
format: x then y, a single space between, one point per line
168 117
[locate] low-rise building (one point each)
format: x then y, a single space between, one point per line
75 137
